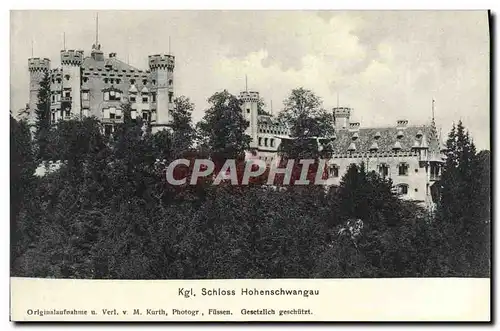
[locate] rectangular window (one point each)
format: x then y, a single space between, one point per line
403 169
145 116
67 113
53 117
144 99
170 96
132 98
67 94
133 114
154 97
106 96
85 95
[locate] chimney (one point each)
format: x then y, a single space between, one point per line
402 124
354 126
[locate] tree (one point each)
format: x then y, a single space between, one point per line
183 130
222 129
462 203
22 169
307 120
43 125
261 107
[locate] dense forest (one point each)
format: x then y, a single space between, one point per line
108 213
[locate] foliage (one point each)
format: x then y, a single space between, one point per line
464 208
42 113
108 212
222 129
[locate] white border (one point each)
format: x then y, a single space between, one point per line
185 4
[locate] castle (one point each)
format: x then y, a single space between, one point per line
98 86
411 155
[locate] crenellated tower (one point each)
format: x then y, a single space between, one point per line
342 116
162 74
71 61
250 112
38 68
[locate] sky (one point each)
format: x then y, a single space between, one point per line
386 65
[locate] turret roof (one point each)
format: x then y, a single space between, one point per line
386 142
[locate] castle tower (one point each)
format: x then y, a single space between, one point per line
250 112
71 61
342 116
38 68
162 69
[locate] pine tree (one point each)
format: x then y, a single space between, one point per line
462 203
43 125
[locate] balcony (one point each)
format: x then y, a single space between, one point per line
65 99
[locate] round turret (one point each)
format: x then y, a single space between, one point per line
72 57
38 64
161 61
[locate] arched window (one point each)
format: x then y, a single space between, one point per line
67 77
260 141
265 142
403 169
170 82
402 189
383 170
272 142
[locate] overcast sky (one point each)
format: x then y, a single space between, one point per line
386 65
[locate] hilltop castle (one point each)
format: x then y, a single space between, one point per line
98 86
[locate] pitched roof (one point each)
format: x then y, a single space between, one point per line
89 62
385 143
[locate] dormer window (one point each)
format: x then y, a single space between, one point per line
419 134
352 147
105 80
377 135
144 82
85 79
374 147
67 77
397 146
355 136
400 134
132 81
